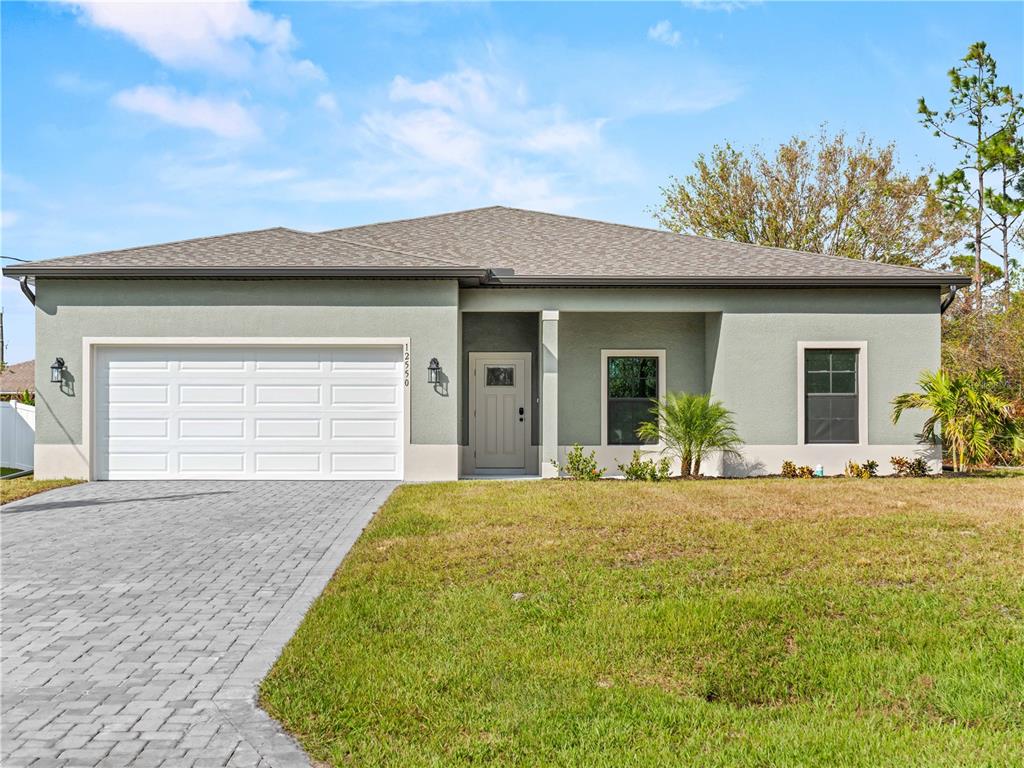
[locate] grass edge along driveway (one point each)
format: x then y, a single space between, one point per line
832 622
23 487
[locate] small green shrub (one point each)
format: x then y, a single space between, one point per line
904 467
579 466
640 468
868 469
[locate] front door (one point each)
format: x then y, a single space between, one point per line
500 410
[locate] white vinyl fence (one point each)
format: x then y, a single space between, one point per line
17 434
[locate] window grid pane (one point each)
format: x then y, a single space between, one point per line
831 397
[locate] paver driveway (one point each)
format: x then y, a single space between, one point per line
139 617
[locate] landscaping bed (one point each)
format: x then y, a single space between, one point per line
754 622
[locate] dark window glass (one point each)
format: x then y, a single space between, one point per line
632 385
500 376
830 384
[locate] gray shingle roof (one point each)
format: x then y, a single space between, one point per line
277 247
18 377
495 244
550 245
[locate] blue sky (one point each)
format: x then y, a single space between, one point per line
131 124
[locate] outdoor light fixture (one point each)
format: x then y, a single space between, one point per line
56 369
433 371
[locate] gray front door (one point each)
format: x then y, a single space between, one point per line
501 385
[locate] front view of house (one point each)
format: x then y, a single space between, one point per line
484 342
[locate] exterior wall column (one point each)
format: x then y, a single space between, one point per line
549 392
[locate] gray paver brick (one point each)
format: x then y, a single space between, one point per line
139 617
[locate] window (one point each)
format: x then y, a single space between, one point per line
830 388
632 383
500 376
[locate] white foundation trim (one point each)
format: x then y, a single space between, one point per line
605 354
55 461
862 389
90 344
427 463
757 460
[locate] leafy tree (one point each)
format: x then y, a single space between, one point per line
982 121
691 426
977 421
829 195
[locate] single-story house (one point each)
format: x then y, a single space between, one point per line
481 342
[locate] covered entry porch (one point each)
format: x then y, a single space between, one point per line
534 383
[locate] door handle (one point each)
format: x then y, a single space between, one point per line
521 412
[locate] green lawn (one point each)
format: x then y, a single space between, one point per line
23 487
732 623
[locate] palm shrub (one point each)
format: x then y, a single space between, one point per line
691 426
969 413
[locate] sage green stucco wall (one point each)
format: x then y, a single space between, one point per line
746 344
500 332
424 311
582 336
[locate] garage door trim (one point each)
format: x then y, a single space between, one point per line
91 344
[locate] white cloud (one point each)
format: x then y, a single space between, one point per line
466 89
232 176
73 82
229 37
726 6
327 102
429 134
472 136
662 32
9 218
565 137
227 119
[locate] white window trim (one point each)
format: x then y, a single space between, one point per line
605 354
862 388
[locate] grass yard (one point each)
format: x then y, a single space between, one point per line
762 622
23 487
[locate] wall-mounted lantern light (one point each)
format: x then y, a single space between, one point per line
56 369
433 371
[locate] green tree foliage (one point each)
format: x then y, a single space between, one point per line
828 195
691 426
982 121
977 421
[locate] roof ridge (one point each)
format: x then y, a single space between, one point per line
415 218
328 235
717 239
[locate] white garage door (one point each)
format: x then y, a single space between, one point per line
249 413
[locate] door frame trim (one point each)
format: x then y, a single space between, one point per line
527 358
91 344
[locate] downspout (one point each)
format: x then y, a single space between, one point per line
948 300
23 282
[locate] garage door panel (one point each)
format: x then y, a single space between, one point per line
211 394
288 394
364 427
156 394
211 428
207 462
363 394
273 413
288 429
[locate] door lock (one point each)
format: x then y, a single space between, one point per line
521 412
